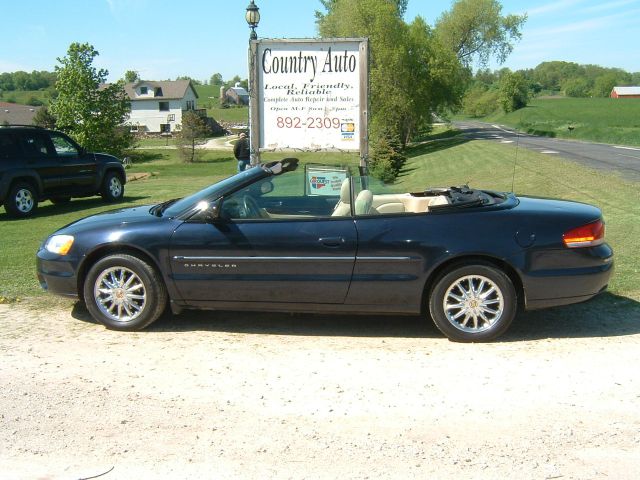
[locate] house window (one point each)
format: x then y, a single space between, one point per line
164 106
165 128
143 90
191 105
158 92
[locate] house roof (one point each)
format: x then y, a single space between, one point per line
15 114
240 91
171 89
627 90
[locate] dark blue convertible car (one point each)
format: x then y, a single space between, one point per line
280 238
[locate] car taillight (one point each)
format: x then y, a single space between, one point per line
588 235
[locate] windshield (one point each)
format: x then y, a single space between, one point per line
209 193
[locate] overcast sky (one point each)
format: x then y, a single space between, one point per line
164 39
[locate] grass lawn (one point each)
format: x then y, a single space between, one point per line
606 120
446 162
230 115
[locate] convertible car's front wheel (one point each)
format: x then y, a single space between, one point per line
473 303
124 292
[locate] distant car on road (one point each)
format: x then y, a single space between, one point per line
276 238
38 164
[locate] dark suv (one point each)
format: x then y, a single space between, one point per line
39 164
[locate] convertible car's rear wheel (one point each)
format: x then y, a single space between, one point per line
473 303
124 292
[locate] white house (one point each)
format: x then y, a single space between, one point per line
157 107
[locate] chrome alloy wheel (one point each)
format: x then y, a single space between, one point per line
473 303
115 187
120 294
24 200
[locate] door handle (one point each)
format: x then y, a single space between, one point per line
332 242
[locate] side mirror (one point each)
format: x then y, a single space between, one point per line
209 212
266 187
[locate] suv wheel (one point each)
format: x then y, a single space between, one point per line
112 188
22 200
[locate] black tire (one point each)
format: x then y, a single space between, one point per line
473 303
112 188
124 292
60 200
22 200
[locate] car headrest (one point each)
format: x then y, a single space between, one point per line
345 193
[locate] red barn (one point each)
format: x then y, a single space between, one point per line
625 92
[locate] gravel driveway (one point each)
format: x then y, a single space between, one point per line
242 395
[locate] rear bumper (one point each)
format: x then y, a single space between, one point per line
572 277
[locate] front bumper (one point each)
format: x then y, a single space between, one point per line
57 274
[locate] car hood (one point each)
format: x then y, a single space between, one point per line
105 157
112 219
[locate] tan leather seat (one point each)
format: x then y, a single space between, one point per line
364 202
343 207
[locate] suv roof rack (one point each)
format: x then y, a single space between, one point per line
12 125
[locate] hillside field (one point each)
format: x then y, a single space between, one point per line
605 120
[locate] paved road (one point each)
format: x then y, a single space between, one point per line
600 156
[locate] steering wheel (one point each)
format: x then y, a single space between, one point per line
251 208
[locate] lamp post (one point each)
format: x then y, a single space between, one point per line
252 16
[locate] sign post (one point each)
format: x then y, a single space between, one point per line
310 95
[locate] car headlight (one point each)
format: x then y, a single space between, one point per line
59 244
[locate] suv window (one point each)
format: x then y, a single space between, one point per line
63 146
9 148
35 144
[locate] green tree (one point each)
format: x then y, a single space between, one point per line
216 79
553 75
131 76
411 74
87 108
34 101
22 80
192 80
44 119
514 92
6 82
477 30
194 129
387 157
480 101
576 87
401 8
604 84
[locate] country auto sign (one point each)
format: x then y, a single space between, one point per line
310 94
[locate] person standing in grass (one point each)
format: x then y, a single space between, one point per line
242 152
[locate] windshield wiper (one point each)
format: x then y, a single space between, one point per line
159 209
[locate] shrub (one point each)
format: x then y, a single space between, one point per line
479 102
387 157
576 87
514 92
34 102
